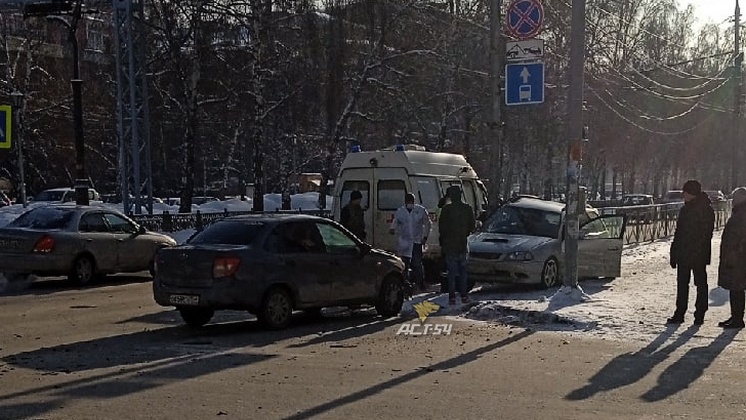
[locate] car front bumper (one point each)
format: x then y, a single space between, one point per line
517 272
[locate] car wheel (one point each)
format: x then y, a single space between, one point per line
84 270
277 309
196 317
550 274
390 297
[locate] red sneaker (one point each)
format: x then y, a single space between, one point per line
451 301
465 299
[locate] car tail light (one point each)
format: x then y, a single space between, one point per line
44 245
225 266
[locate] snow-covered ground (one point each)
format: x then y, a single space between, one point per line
634 306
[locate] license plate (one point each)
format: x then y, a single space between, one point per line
184 299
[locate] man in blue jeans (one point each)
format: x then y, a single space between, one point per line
456 223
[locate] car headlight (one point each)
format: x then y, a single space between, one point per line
519 256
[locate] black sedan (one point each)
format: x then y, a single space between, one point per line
272 264
78 241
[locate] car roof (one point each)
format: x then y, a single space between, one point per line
537 203
637 195
275 217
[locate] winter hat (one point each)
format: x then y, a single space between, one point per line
692 187
739 196
356 195
454 192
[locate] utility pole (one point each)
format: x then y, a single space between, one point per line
575 202
496 126
737 60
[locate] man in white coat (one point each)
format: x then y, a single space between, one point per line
412 226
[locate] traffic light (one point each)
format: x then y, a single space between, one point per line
46 8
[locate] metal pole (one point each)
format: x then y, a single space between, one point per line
737 60
574 139
19 138
81 181
496 61
135 130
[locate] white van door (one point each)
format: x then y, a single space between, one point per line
359 180
390 188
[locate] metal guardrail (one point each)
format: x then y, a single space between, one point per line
168 222
649 223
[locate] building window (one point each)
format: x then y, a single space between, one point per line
95 36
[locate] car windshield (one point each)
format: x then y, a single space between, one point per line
635 200
524 221
44 218
228 233
50 195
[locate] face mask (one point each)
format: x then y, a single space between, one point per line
410 206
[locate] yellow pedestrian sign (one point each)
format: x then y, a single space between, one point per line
5 127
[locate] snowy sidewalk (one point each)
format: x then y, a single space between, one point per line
633 307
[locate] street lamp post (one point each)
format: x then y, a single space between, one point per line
81 178
16 99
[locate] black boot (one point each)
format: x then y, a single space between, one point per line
737 304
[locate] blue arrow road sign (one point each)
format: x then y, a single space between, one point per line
524 83
5 127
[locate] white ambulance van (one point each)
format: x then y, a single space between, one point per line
384 176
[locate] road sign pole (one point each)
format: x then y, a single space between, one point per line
496 123
574 135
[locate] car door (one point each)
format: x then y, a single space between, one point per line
600 246
134 251
97 240
390 188
300 264
353 273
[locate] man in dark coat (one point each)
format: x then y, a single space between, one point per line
455 224
732 269
690 251
352 215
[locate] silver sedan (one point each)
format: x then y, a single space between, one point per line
78 241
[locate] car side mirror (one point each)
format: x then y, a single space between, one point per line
141 230
364 249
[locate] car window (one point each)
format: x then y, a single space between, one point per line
513 220
602 228
118 224
228 232
674 195
93 222
335 240
293 238
44 218
391 194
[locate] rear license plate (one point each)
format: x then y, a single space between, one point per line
184 299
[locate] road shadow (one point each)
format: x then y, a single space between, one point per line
451 363
47 285
683 372
628 368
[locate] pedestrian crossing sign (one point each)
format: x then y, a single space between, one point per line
5 127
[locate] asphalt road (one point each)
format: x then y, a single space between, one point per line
109 352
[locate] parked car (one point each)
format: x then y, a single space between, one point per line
78 241
64 195
639 215
522 243
200 200
717 198
673 196
272 264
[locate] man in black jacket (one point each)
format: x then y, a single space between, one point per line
690 251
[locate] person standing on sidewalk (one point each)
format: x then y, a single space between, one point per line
412 226
691 249
732 268
456 223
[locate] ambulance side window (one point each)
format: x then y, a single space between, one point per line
428 192
470 196
391 194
